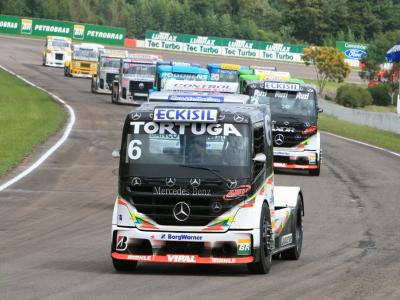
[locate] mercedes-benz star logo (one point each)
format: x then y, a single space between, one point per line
141 85
231 184
216 206
136 181
195 182
221 117
279 138
136 116
238 118
286 123
181 211
170 181
151 116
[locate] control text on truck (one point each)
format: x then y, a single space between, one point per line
294 110
196 185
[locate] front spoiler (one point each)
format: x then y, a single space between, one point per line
183 259
294 166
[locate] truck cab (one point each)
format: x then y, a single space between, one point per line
294 112
135 79
57 51
84 60
196 185
225 72
108 67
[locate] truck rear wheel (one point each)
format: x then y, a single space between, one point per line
262 265
315 172
124 265
294 253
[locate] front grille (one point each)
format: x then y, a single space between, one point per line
85 65
290 139
110 78
140 86
59 56
160 209
286 159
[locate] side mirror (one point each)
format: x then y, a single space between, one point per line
260 157
320 110
116 153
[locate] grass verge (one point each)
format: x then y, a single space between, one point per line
28 117
362 133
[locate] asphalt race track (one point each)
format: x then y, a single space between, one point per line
55 223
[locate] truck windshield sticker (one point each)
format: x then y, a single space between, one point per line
201 86
282 86
198 115
196 98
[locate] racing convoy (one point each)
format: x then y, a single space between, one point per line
108 67
57 51
84 60
294 113
196 185
136 77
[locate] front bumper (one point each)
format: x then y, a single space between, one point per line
300 160
82 73
231 247
50 63
131 100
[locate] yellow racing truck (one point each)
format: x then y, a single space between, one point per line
84 60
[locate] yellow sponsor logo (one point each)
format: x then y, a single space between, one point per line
230 67
79 31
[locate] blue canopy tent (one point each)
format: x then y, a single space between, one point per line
393 56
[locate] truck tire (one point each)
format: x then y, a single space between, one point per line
295 252
262 265
92 87
124 265
317 171
114 97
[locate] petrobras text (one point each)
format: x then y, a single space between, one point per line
224 129
196 98
282 86
201 86
199 115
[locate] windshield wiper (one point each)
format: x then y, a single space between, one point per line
215 172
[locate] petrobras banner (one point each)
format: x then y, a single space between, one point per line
43 27
200 86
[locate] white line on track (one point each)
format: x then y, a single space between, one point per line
362 143
50 151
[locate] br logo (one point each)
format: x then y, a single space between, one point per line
122 243
79 31
26 26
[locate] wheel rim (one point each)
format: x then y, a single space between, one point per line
266 237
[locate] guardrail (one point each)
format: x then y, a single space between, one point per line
78 31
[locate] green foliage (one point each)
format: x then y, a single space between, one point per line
353 95
380 94
329 64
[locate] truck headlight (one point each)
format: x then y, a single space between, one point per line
77 64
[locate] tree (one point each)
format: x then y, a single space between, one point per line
329 64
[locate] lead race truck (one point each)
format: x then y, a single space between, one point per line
294 112
136 77
196 185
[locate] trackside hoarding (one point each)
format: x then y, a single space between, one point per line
223 46
42 27
353 52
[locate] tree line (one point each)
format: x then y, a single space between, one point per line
319 22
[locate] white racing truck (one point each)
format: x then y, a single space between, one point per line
57 51
136 77
108 67
196 185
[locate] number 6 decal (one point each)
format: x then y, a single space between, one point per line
134 151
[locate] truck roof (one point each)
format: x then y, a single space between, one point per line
254 112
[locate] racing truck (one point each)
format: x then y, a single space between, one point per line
108 67
84 60
196 186
225 72
136 77
294 110
57 51
167 70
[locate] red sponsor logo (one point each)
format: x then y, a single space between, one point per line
181 258
237 192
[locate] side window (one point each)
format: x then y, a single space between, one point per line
258 147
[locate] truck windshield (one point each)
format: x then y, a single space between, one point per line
110 62
84 54
171 147
139 69
300 106
59 44
225 76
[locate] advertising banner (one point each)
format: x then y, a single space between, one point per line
202 44
10 24
240 48
164 40
353 52
283 52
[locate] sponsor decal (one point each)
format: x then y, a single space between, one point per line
196 98
294 166
181 258
225 129
279 139
79 31
164 36
202 40
186 115
283 86
237 193
122 243
26 26
278 47
10 25
283 129
286 240
240 44
230 67
181 191
243 247
303 96
200 86
355 53
140 257
51 29
180 237
183 76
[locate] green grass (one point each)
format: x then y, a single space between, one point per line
362 133
28 117
390 108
